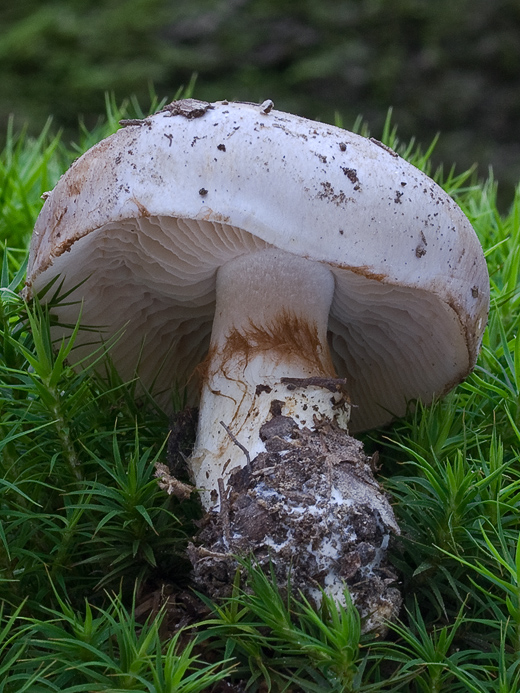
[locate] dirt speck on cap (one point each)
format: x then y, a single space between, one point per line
385 147
189 108
328 193
351 174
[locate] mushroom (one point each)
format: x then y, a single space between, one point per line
291 275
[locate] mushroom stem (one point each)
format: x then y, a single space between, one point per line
279 475
270 323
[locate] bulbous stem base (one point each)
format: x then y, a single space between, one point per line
309 508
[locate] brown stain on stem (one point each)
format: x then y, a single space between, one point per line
287 338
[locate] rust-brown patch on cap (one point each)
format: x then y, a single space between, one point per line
362 271
211 215
59 247
142 209
64 247
74 187
58 217
468 325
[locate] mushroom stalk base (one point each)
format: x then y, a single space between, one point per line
309 508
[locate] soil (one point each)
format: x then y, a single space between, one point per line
310 509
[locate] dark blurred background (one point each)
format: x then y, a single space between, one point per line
443 65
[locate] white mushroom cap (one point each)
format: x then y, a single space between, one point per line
145 218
